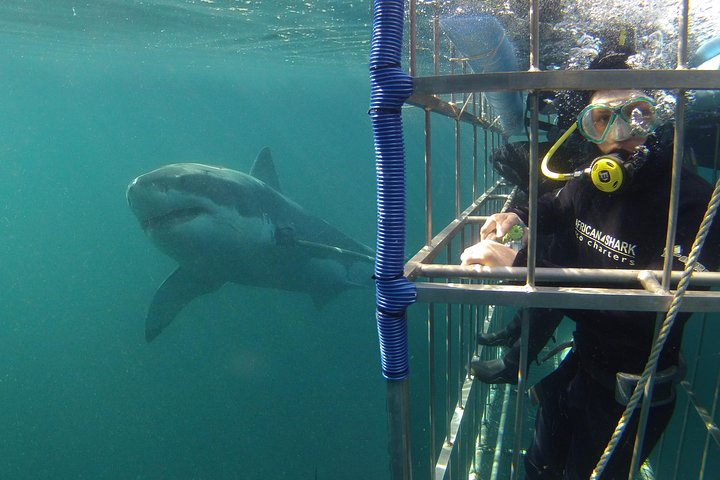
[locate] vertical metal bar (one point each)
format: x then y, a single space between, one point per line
461 355
677 147
482 399
481 105
475 163
432 394
683 34
465 100
436 40
475 148
452 72
532 238
675 187
717 152
398 409
493 139
485 160
448 364
534 112
474 313
713 409
428 179
644 409
475 329
532 190
449 406
451 353
412 15
534 35
520 400
473 418
458 207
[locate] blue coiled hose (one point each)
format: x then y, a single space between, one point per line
390 87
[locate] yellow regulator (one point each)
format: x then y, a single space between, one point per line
607 173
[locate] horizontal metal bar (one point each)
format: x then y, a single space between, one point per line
436 105
428 253
558 275
476 219
564 297
568 80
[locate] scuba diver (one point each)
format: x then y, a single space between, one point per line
613 209
556 249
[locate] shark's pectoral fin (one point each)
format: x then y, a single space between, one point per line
175 292
320 299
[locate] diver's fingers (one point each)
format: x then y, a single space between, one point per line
508 221
497 225
489 229
489 253
474 254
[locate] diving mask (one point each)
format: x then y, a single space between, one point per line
634 118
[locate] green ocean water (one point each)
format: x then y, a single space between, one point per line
248 383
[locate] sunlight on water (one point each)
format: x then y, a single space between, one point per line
571 31
291 29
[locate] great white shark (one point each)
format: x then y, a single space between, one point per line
222 225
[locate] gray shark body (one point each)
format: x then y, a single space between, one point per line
222 225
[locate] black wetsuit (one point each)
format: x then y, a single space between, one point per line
555 249
625 230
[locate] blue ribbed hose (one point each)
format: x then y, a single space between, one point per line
390 87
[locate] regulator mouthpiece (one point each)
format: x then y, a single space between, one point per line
614 171
607 173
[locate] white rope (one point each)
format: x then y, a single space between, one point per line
663 334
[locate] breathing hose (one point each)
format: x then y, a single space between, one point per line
390 87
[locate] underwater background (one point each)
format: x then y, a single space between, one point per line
247 383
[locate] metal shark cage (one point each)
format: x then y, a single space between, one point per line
471 430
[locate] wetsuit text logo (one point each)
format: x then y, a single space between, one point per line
606 245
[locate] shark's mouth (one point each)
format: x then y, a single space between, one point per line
176 216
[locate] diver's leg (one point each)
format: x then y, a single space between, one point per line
594 418
546 456
505 337
542 322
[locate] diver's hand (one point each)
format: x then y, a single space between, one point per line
497 225
489 253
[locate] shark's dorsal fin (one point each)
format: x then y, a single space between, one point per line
264 169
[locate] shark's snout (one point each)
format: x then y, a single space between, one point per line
129 193
148 200
140 199
158 202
